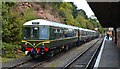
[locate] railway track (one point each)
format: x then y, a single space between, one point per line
20 63
25 63
92 60
51 59
32 63
86 58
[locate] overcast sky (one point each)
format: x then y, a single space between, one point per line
82 4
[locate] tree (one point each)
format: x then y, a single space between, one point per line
6 24
13 22
82 13
96 23
74 10
65 11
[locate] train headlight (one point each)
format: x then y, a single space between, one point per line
42 45
34 44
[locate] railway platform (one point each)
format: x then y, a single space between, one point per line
108 57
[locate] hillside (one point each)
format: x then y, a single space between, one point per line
41 11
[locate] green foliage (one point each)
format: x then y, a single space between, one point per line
90 25
65 11
96 24
9 50
82 13
7 19
13 20
29 15
81 20
74 10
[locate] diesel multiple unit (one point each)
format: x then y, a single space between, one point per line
46 38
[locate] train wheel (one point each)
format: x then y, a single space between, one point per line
51 54
66 47
57 50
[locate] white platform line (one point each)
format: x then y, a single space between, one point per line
99 55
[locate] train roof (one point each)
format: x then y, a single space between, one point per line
90 30
47 23
39 22
86 30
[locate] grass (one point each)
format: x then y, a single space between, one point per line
11 52
6 59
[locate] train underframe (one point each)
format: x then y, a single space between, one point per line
50 52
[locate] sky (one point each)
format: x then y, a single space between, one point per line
82 4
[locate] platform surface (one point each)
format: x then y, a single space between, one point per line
110 56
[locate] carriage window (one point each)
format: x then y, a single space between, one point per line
31 33
27 32
44 33
35 32
57 33
83 33
75 32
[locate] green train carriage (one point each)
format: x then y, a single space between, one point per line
42 36
46 38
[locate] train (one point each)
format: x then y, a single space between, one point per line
47 38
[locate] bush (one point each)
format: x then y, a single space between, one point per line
9 50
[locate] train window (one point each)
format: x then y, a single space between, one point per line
27 32
82 33
58 30
44 33
87 33
61 31
70 33
65 31
75 32
55 30
35 32
53 33
58 34
31 33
